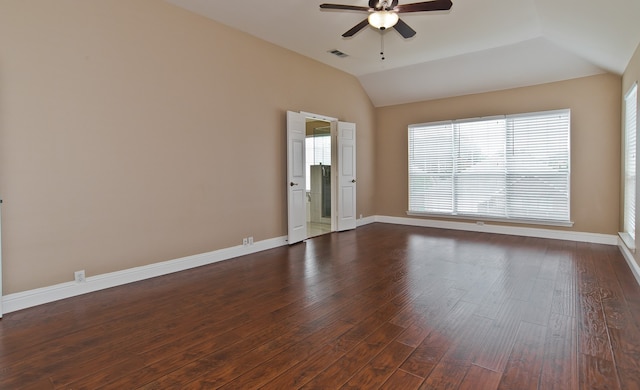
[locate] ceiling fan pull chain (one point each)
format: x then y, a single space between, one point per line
381 45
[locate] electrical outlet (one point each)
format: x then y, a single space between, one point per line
360 216
251 240
79 276
245 241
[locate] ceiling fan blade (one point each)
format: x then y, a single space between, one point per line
343 7
356 28
404 29
435 5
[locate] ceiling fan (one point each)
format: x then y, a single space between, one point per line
383 14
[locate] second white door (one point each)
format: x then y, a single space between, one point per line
346 171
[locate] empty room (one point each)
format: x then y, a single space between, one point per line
366 194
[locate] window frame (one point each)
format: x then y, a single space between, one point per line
509 169
630 192
324 150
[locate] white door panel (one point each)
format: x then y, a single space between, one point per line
296 177
346 145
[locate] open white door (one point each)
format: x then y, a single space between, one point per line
346 147
296 177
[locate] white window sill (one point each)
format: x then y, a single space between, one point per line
628 241
478 218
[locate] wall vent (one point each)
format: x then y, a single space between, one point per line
338 53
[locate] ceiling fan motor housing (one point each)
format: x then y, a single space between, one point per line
383 5
383 14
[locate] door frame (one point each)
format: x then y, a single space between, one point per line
334 123
318 117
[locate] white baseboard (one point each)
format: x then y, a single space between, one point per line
39 296
596 238
628 256
366 220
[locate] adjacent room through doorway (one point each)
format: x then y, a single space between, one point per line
318 184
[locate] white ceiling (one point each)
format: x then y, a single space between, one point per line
477 46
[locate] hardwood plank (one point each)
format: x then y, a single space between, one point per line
161 356
218 368
99 377
540 301
426 356
384 306
380 368
559 367
463 349
264 372
77 354
525 362
597 373
550 266
490 306
339 372
614 304
401 379
593 337
445 375
479 287
305 370
173 370
419 325
480 378
189 348
626 347
363 329
564 293
433 297
500 339
629 378
200 350
255 334
41 384
86 349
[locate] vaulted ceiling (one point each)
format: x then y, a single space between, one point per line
477 46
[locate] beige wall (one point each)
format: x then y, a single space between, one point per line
595 142
133 132
124 142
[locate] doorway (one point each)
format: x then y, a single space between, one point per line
340 175
319 153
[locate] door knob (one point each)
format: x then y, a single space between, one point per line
353 181
293 184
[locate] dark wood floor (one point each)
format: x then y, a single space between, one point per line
383 306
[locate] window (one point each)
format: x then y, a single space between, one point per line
630 127
512 167
318 151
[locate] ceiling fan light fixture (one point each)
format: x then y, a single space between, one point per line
383 19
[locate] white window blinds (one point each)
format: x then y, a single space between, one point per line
630 128
511 167
318 151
